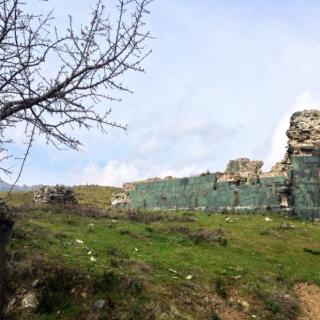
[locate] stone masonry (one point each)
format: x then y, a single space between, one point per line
292 186
54 195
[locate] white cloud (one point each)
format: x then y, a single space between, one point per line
306 100
112 174
115 173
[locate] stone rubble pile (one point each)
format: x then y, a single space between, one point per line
55 195
242 170
120 200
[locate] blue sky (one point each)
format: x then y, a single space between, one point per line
221 83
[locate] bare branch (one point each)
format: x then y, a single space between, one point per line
91 61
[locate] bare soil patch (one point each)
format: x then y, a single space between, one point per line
309 298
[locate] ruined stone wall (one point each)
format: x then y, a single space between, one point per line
304 175
207 192
54 195
292 185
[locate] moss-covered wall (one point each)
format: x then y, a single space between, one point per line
299 193
206 193
305 180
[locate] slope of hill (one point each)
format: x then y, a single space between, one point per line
5 187
159 265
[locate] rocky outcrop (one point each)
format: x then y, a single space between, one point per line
303 135
242 170
120 200
304 131
55 195
279 169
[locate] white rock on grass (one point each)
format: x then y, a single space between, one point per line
172 270
29 301
99 304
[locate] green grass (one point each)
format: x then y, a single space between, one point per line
145 259
95 195
88 195
17 199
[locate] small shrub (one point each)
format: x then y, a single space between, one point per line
108 281
114 263
280 304
124 231
179 229
61 236
134 286
183 219
149 229
111 281
130 233
90 211
214 316
312 251
56 288
112 251
146 216
221 288
223 242
208 236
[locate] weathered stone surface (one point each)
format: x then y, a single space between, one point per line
292 185
304 131
279 169
120 200
303 135
242 170
54 195
30 300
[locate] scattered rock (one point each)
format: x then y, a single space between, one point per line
11 304
173 271
244 304
99 304
35 283
120 200
29 301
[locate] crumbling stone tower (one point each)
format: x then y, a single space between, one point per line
303 159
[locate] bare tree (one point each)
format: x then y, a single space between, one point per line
91 60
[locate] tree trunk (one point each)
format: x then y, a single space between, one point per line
6 225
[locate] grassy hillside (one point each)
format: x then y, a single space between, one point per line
88 195
95 195
159 265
